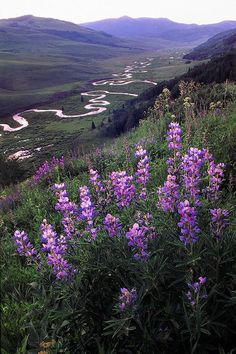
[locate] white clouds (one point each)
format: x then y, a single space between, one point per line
78 11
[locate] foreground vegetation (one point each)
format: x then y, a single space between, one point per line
146 263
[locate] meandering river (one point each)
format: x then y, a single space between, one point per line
97 103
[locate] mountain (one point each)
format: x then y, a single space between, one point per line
157 29
221 43
29 33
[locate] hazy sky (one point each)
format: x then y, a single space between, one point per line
79 11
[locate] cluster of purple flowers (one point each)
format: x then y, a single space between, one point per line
169 194
56 248
127 298
112 225
219 221
138 236
95 179
174 136
216 175
48 167
193 295
188 223
68 209
123 188
143 170
191 167
87 210
24 246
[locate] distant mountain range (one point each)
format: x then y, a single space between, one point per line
36 34
220 44
159 31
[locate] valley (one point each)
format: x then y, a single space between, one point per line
66 123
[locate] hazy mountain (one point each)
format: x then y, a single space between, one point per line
158 29
221 43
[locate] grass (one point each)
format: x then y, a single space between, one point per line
61 134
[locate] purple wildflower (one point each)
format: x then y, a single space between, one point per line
188 223
219 221
123 188
112 225
87 209
191 166
216 174
143 170
138 240
48 167
24 246
127 298
174 137
95 179
169 194
56 248
193 295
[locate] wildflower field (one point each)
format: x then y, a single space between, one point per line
131 249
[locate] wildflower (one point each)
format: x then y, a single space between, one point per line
95 179
195 289
56 248
24 246
123 188
127 298
219 221
87 209
174 136
188 223
216 174
48 167
143 170
169 194
112 225
138 240
191 166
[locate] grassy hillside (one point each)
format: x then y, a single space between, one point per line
138 271
218 45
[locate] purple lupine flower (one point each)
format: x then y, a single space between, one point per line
56 248
123 188
95 179
127 298
191 166
138 241
174 136
188 223
68 209
169 194
194 293
24 246
48 167
216 175
112 225
143 170
87 210
219 221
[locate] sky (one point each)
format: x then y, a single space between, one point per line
79 11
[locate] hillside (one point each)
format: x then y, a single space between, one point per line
219 44
162 31
87 250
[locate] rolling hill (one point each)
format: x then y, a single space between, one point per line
217 45
160 31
